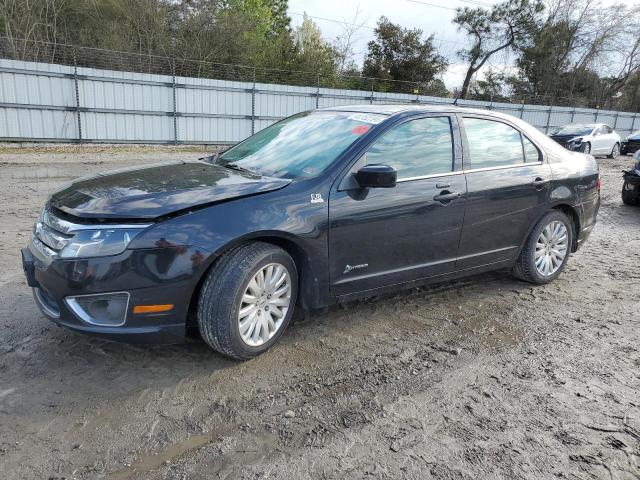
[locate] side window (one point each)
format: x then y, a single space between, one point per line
608 129
493 144
416 148
531 152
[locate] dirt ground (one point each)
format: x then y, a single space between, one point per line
485 378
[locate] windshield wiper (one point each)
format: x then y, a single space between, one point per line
211 158
237 168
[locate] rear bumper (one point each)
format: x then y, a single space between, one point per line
129 272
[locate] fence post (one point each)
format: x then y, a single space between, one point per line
175 110
77 90
546 127
573 114
371 98
595 117
633 122
253 103
318 91
615 121
522 110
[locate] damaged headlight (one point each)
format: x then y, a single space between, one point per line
99 242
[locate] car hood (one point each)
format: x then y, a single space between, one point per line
158 190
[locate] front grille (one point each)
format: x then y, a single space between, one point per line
51 238
52 231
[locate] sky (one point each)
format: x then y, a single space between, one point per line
431 16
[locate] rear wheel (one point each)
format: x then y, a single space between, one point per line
615 151
630 194
247 300
546 250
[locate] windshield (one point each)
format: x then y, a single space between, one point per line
574 130
300 146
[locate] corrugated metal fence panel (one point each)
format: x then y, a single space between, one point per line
282 100
19 86
38 102
132 93
212 110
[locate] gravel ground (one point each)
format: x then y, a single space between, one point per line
485 378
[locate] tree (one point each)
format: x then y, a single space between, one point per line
506 26
582 54
401 54
313 53
490 88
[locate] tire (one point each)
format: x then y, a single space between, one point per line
630 195
223 293
586 148
615 151
525 267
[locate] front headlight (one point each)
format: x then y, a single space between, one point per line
99 242
576 140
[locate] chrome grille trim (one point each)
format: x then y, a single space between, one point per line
67 227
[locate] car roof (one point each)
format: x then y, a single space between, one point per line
403 108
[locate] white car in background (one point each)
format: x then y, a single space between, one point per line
593 138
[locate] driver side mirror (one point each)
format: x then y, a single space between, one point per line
376 176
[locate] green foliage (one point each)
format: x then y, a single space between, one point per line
401 54
506 26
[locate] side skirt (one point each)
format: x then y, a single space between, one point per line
426 281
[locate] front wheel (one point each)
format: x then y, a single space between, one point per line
546 250
586 148
247 300
615 151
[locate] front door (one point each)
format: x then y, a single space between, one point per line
600 140
386 236
508 185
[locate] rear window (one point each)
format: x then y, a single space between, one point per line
493 144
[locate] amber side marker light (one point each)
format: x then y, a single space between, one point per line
152 308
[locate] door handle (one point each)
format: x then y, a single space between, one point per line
445 196
539 182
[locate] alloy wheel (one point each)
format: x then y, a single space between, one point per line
551 248
616 151
264 304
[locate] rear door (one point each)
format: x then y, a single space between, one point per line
386 236
507 190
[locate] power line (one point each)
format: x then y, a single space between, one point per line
333 20
432 5
472 2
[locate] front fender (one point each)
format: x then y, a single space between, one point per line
286 217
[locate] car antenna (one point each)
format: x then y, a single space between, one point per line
455 100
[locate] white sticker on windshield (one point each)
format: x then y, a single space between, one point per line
367 118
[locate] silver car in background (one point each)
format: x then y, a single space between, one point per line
593 138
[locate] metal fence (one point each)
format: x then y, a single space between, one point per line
68 99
